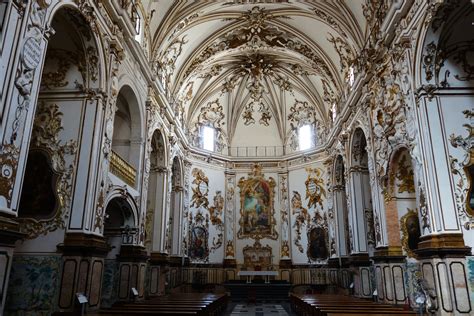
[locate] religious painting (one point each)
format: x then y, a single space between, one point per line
410 226
197 245
317 249
318 239
198 249
257 206
38 198
257 257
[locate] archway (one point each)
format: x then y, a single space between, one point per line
127 140
401 206
58 164
59 182
119 230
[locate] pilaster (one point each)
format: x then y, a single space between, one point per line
20 93
443 266
82 270
9 234
230 220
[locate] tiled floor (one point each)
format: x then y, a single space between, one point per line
258 309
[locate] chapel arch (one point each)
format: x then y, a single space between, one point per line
120 232
119 225
401 206
444 52
58 162
127 140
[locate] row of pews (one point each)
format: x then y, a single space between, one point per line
180 304
341 305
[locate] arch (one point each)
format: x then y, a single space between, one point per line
442 44
120 230
118 192
358 153
132 92
400 203
93 38
64 117
119 213
128 135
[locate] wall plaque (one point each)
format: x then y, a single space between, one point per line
31 54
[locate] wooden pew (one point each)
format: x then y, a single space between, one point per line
175 304
339 305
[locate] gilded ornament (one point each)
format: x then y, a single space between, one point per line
210 115
302 217
229 249
9 157
315 188
405 176
410 227
45 137
266 114
200 199
200 189
247 114
463 170
257 256
285 249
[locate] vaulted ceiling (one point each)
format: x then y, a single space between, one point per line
255 69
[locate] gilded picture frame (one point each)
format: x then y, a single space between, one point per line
257 256
257 212
410 227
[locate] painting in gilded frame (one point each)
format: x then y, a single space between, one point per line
257 206
198 250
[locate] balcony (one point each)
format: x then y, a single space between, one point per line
122 169
257 151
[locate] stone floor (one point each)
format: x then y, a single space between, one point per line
259 309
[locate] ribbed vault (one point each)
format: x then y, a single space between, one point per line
255 69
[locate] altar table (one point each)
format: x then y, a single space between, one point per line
250 274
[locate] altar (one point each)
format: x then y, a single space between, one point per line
251 274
